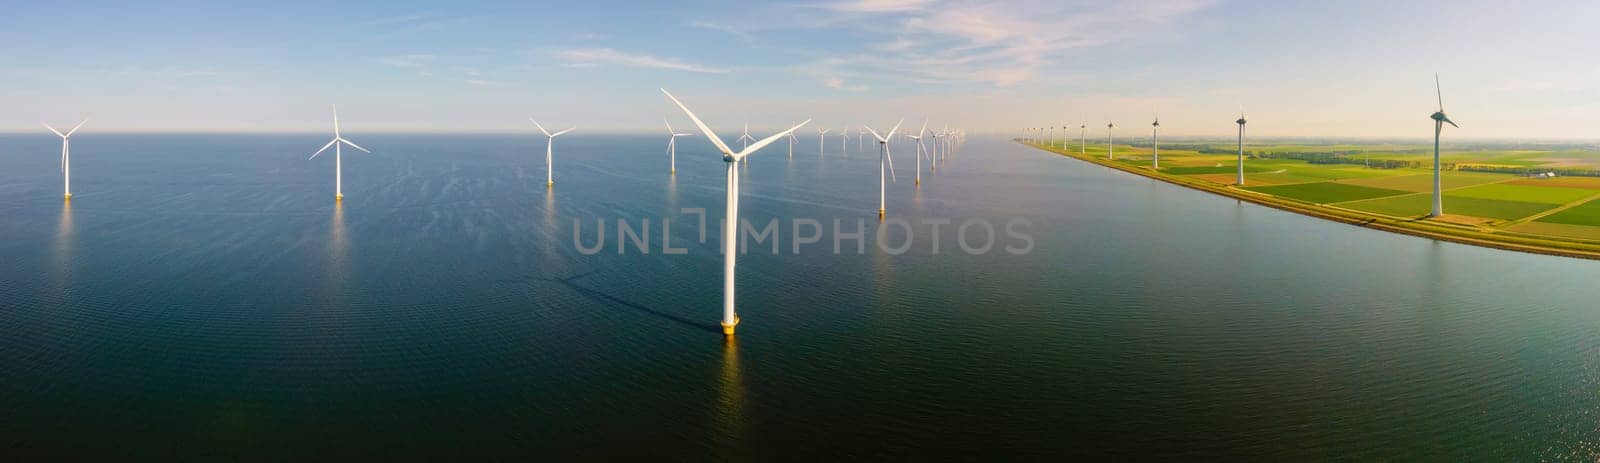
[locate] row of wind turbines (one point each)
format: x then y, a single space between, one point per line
944 143
1047 135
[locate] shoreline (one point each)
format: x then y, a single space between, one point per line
1503 240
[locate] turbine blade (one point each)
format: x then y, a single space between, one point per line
924 128
335 121
875 134
76 127
767 141
669 126
887 155
541 128
1438 92
1452 123
324 148
353 145
717 142
557 134
53 129
896 127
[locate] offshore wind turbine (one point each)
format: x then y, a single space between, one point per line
920 149
549 146
883 155
338 156
822 139
1242 120
672 145
1155 142
730 226
66 157
791 146
744 140
844 137
1439 120
859 136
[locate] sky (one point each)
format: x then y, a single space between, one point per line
1523 70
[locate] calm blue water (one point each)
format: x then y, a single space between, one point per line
202 296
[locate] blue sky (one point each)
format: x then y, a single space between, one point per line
1355 68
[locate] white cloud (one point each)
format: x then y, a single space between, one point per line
596 56
874 6
408 61
999 43
833 82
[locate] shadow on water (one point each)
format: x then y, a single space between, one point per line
602 296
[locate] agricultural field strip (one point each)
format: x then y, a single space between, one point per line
1551 212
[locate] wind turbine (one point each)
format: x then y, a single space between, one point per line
883 155
859 136
66 156
822 139
1155 142
1439 120
1241 123
920 149
1083 137
744 140
730 227
844 137
791 146
1111 147
338 156
549 145
672 145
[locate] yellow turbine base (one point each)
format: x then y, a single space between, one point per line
338 198
69 196
880 214
549 184
727 328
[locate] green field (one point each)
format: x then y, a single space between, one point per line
1583 214
1531 194
1390 184
1421 204
1325 192
1422 181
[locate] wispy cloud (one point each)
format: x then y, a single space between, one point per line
599 56
873 6
408 61
994 42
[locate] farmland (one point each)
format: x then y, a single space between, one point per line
1500 194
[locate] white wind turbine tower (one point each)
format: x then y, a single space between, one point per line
1083 137
672 145
1155 142
938 149
1241 123
549 146
791 146
1439 120
883 156
338 156
822 139
66 157
730 226
920 149
1111 147
859 136
844 137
